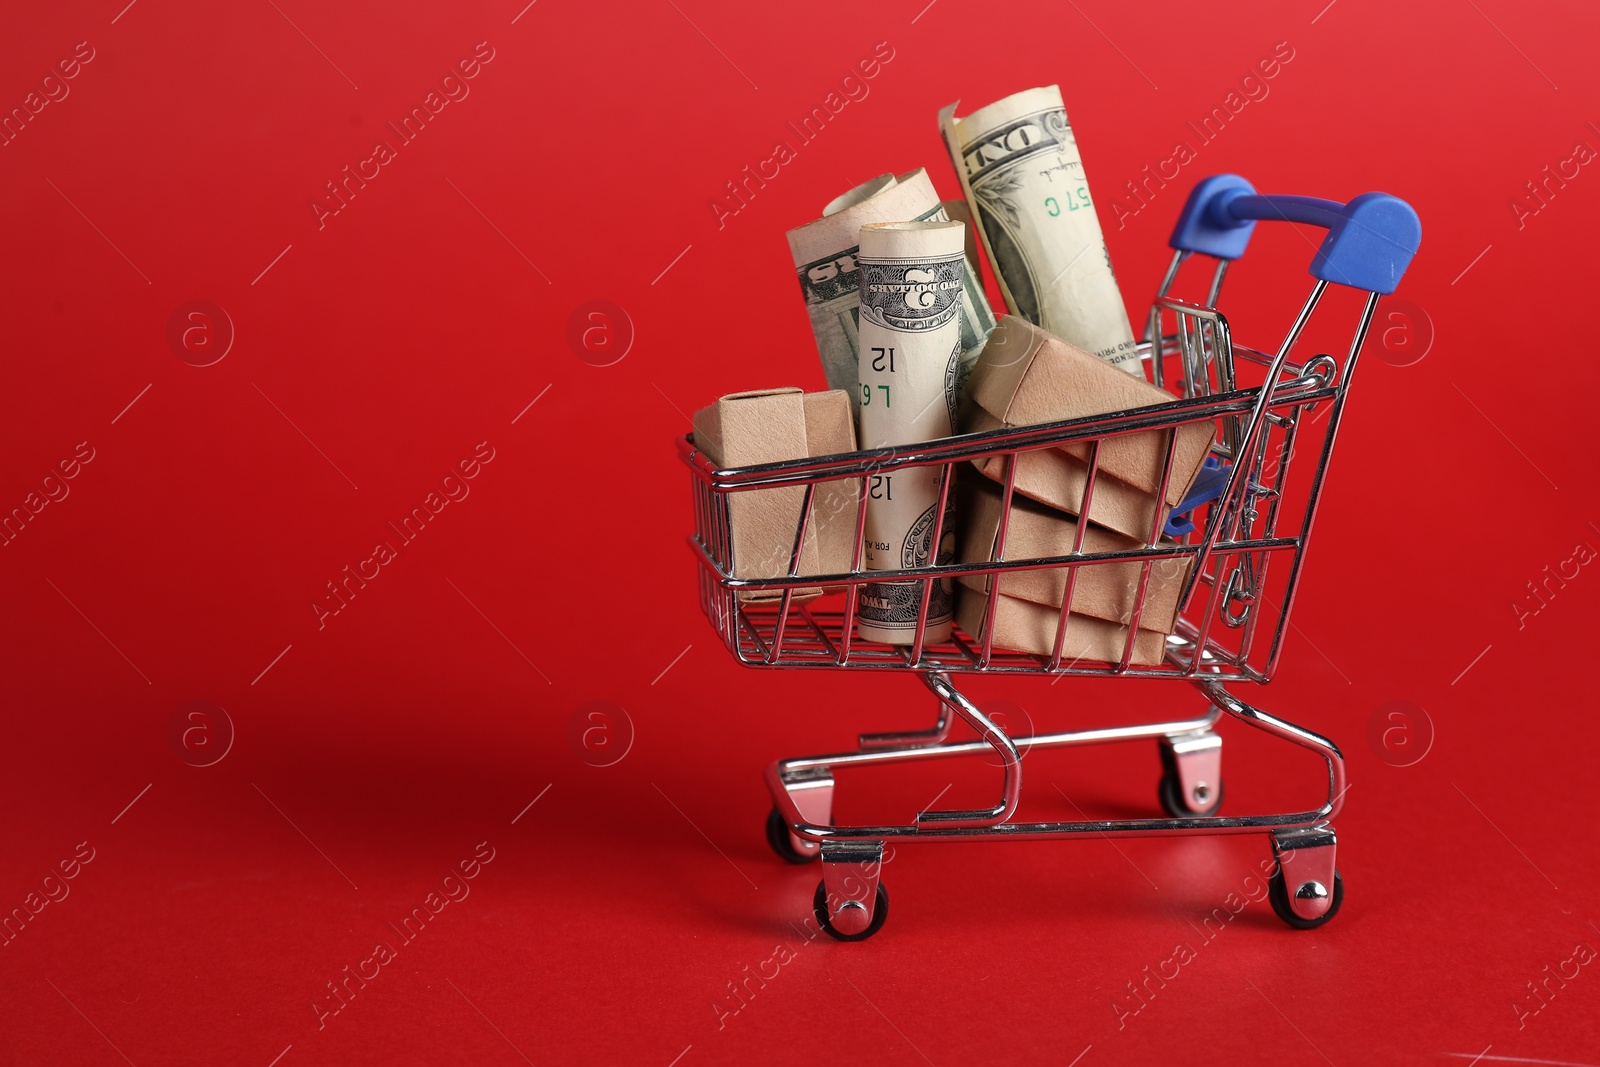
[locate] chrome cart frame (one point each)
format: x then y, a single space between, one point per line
1228 626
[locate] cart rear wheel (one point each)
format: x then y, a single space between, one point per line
778 837
1278 893
1171 793
880 914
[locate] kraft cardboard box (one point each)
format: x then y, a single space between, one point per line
768 426
1023 626
1103 590
1028 376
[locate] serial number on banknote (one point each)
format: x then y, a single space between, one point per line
866 395
1077 200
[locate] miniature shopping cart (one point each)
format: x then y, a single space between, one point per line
1243 556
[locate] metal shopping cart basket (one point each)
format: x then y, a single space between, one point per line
1231 621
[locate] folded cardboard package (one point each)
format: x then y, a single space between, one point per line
1028 607
1028 376
1023 626
769 426
1105 590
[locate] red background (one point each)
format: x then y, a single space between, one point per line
374 353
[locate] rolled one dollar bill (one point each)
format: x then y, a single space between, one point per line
825 259
911 286
1019 166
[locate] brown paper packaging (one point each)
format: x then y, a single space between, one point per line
1023 626
768 426
1028 376
1103 590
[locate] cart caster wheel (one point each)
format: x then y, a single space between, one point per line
1201 758
1278 893
880 914
778 837
1180 807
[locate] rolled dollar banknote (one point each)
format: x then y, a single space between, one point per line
1019 165
911 285
825 258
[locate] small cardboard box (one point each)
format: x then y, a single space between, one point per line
768 426
1023 626
1028 376
1103 590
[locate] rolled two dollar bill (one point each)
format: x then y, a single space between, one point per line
1019 166
909 380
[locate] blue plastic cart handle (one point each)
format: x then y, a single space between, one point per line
1370 240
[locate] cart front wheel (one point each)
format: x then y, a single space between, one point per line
1278 893
782 843
880 914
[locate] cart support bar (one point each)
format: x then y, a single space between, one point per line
1010 758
